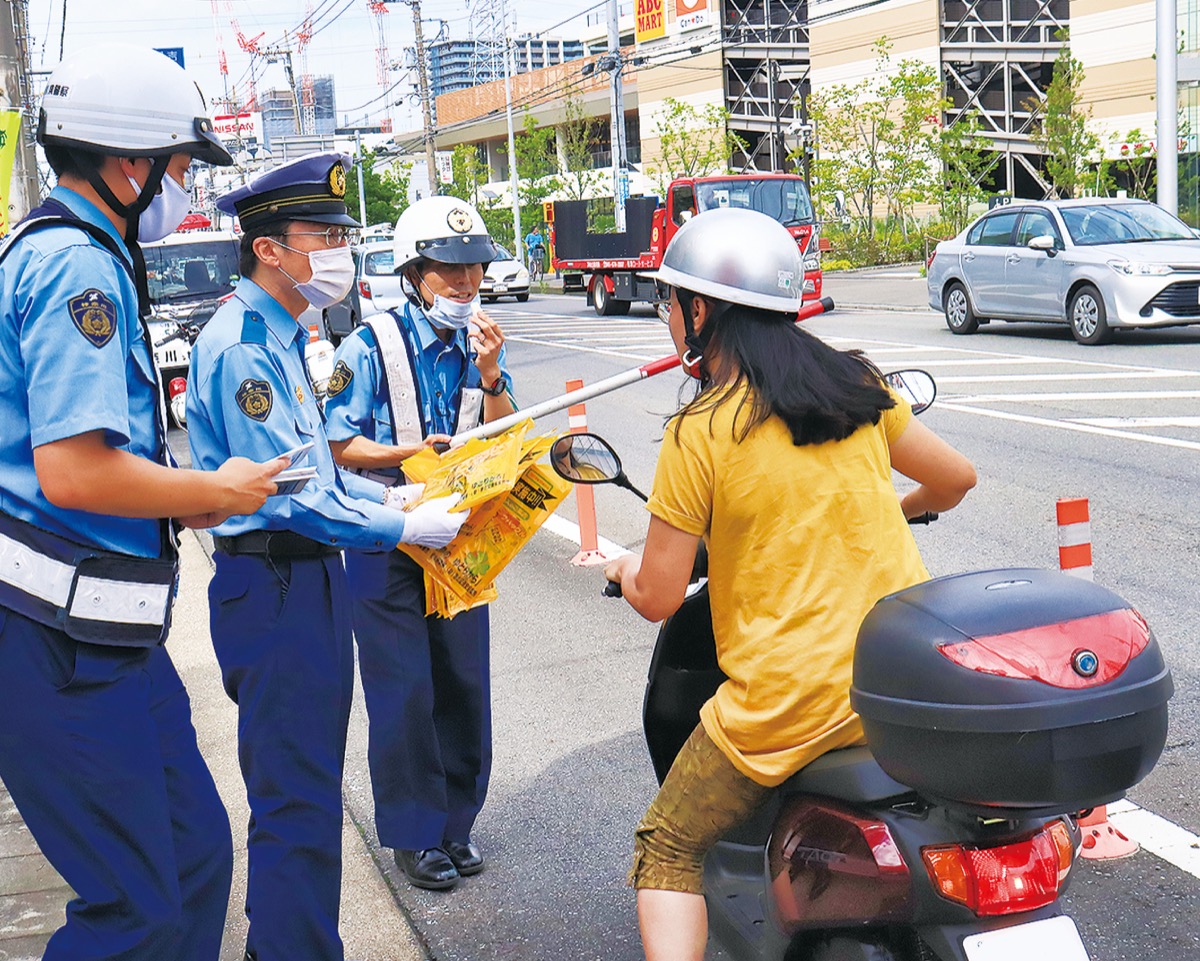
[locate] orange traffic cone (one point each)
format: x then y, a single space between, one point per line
1101 840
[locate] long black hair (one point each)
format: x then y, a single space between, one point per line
822 394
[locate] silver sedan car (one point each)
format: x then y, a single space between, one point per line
1095 264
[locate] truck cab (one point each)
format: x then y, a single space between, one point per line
783 197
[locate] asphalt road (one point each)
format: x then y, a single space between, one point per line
1041 417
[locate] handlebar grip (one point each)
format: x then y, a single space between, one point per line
612 589
927 518
440 447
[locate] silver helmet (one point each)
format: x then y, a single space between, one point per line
736 255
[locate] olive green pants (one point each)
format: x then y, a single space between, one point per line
703 797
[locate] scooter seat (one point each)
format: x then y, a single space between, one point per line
849 774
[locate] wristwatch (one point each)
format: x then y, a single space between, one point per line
499 386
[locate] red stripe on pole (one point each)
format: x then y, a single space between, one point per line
1078 556
1073 510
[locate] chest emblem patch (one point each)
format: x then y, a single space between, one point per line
340 379
254 398
95 315
299 394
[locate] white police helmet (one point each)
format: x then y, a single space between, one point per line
128 101
444 229
736 255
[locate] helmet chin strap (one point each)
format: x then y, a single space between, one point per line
132 213
694 343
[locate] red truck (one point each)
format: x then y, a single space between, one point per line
612 264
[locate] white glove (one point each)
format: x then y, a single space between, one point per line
431 524
401 495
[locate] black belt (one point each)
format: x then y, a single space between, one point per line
274 544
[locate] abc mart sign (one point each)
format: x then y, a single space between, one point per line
245 126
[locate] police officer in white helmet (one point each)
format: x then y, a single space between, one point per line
96 742
406 379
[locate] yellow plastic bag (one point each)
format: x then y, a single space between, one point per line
479 470
463 572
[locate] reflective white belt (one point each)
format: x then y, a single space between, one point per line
96 598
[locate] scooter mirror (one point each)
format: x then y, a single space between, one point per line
585 459
915 386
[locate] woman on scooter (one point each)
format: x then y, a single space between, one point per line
783 464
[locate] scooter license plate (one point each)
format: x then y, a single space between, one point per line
1055 938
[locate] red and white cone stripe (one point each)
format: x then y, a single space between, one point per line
1075 537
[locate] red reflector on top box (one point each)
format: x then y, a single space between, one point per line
1045 652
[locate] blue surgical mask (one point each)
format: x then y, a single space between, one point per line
451 314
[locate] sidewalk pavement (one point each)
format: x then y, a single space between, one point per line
33 896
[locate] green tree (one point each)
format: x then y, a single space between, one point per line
468 173
386 191
964 160
692 142
1060 129
580 134
1137 166
537 171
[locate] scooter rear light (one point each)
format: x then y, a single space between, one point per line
1084 652
177 386
1007 879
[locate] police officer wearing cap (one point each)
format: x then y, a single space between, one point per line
279 607
405 379
97 746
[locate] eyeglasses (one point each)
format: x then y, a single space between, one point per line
334 236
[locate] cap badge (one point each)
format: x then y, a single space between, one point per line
337 180
459 220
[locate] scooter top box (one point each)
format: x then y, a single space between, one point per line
1015 691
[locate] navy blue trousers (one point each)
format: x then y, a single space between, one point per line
99 754
281 631
428 693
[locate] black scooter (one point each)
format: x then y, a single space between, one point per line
996 705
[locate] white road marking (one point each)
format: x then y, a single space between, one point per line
1147 374
1067 425
1082 395
1138 421
1155 834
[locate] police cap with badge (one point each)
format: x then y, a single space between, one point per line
311 188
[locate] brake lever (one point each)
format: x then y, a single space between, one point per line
612 589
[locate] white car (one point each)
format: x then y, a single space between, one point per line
505 277
1095 264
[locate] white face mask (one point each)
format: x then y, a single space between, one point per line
166 211
451 314
332 276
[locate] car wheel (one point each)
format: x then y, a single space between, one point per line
960 315
1088 316
522 298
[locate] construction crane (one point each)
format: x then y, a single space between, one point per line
308 100
246 45
382 60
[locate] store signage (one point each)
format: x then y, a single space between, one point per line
651 19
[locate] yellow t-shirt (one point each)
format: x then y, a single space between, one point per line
802 542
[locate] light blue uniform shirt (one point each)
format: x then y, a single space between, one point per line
249 396
73 359
444 370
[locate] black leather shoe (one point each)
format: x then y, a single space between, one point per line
467 857
431 869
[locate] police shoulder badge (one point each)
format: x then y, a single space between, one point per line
254 398
339 380
95 315
337 180
459 220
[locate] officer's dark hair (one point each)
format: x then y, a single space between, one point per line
68 161
820 393
247 258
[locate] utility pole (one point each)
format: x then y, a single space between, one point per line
426 111
283 55
1167 135
362 196
617 105
518 240
21 194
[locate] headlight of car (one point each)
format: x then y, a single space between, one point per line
1140 270
812 263
522 276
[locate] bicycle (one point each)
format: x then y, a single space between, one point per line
537 267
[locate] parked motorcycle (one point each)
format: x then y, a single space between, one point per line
996 705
